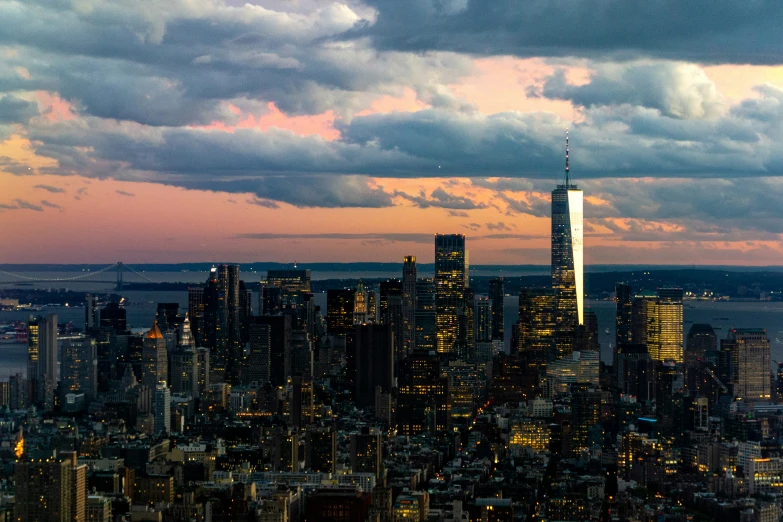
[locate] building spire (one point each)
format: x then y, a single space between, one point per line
567 171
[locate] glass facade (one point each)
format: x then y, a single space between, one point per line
451 279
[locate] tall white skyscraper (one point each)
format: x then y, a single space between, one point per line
567 259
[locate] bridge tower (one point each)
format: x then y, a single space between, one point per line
120 268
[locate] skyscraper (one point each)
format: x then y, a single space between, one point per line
184 363
373 347
423 398
80 367
748 357
162 408
624 315
451 279
567 259
497 295
701 340
483 318
42 358
657 323
425 336
409 275
154 358
339 311
537 323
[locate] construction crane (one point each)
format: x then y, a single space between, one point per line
709 372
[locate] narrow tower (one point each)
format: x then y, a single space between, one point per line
567 259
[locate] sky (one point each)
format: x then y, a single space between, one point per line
314 130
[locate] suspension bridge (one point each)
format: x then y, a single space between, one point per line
119 269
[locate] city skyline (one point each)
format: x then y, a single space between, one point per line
337 133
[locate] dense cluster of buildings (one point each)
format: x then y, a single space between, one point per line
404 400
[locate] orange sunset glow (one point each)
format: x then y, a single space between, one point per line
328 140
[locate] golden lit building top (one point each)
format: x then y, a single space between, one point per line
154 332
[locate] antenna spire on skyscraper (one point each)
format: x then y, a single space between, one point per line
567 171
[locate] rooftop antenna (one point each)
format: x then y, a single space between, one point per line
567 171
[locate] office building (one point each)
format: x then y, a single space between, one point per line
372 347
624 314
184 364
42 359
92 312
745 358
670 342
80 367
338 505
154 358
278 348
114 317
657 323
409 278
700 343
497 298
586 412
162 408
321 446
391 311
537 323
339 311
53 490
423 400
257 365
567 260
367 452
425 335
451 279
466 322
483 320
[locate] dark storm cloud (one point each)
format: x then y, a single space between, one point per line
49 204
16 110
677 90
441 199
21 204
729 31
50 188
171 63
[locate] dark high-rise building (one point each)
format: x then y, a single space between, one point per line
367 452
409 278
295 286
42 359
423 401
196 314
746 352
624 315
321 450
270 299
567 260
497 297
392 312
701 340
258 362
586 411
631 364
373 349
537 323
425 336
657 323
339 311
92 313
80 368
466 324
280 334
113 317
451 279
483 320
